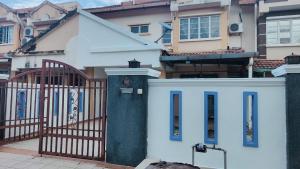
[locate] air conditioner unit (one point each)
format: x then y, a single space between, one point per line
25 40
28 31
236 28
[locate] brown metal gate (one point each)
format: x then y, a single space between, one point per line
60 105
19 107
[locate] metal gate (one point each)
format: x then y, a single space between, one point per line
19 107
60 105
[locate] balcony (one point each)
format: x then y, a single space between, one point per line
267 6
196 4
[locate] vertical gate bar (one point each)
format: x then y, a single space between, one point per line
48 105
62 109
16 111
72 125
89 116
58 105
78 102
68 111
5 107
25 123
94 122
83 116
41 106
52 80
103 133
35 115
100 118
10 109
20 120
30 103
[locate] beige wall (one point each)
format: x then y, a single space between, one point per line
46 9
58 39
3 11
154 20
201 45
16 42
282 52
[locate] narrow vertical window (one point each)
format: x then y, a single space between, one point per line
211 117
56 103
37 103
250 119
176 116
21 104
80 102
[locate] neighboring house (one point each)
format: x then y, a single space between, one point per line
18 26
278 29
200 44
89 44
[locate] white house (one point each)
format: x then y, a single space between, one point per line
88 43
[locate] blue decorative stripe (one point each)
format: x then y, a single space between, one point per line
38 103
56 103
208 140
80 102
21 104
172 129
254 141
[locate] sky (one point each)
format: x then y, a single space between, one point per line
84 3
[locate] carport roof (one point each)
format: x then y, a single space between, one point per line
210 58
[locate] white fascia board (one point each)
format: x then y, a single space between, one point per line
119 29
132 72
122 49
4 76
238 82
286 69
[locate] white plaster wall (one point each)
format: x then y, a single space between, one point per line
247 39
271 153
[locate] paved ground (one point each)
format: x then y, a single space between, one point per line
23 155
17 161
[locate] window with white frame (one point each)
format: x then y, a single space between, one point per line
200 27
167 38
6 34
139 28
285 31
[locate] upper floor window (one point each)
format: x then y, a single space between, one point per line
6 34
285 31
139 28
167 38
202 27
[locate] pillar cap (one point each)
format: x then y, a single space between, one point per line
286 69
132 72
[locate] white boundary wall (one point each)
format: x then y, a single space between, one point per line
271 153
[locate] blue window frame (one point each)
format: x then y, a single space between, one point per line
250 119
81 102
37 111
21 104
176 115
56 103
71 100
211 117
